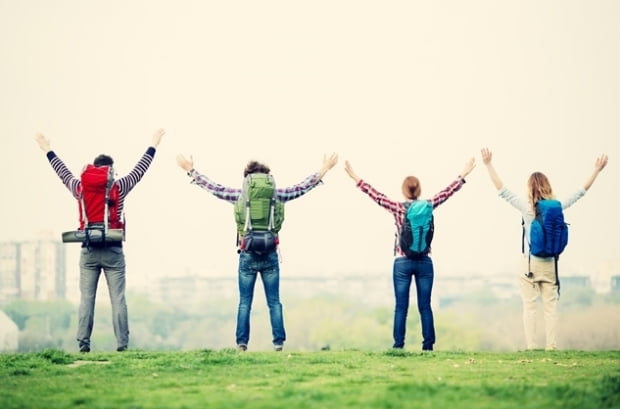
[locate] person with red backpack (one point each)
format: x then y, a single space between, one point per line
538 274
101 200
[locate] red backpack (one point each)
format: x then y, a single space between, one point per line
99 198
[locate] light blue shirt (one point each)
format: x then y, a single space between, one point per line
524 207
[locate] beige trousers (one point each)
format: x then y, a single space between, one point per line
540 283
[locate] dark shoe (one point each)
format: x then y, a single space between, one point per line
277 348
84 348
242 347
121 349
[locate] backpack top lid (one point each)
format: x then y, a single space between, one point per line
258 201
548 231
96 178
417 228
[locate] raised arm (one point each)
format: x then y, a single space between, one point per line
71 182
469 166
128 182
487 158
599 165
455 186
220 191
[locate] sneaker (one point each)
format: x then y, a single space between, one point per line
121 349
84 348
242 347
277 348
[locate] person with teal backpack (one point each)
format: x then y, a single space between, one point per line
412 248
546 233
258 214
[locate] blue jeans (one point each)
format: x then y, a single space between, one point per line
422 271
112 261
250 265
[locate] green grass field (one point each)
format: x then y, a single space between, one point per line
328 379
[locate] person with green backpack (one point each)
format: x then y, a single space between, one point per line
258 213
412 261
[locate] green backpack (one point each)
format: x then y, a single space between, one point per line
258 201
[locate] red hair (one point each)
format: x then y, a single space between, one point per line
411 188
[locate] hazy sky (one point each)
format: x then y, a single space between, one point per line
396 87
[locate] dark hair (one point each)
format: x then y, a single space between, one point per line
103 160
255 167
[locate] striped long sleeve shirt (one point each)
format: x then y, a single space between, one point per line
398 209
231 195
125 183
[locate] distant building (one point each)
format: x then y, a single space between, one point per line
575 282
189 291
615 283
32 270
9 334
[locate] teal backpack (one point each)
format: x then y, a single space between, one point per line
417 229
258 214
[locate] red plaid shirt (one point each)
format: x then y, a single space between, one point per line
398 209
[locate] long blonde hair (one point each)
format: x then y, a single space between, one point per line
538 187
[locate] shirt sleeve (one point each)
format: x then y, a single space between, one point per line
569 201
221 192
394 207
515 201
68 179
300 189
451 189
128 182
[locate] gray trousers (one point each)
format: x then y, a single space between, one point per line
112 261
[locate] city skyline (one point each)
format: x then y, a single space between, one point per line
37 271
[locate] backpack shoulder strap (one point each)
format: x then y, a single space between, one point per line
108 188
522 235
272 209
246 197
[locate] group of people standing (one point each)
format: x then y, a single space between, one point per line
536 275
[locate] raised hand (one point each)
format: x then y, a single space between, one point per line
157 137
487 155
328 163
469 166
43 142
349 169
601 162
184 163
